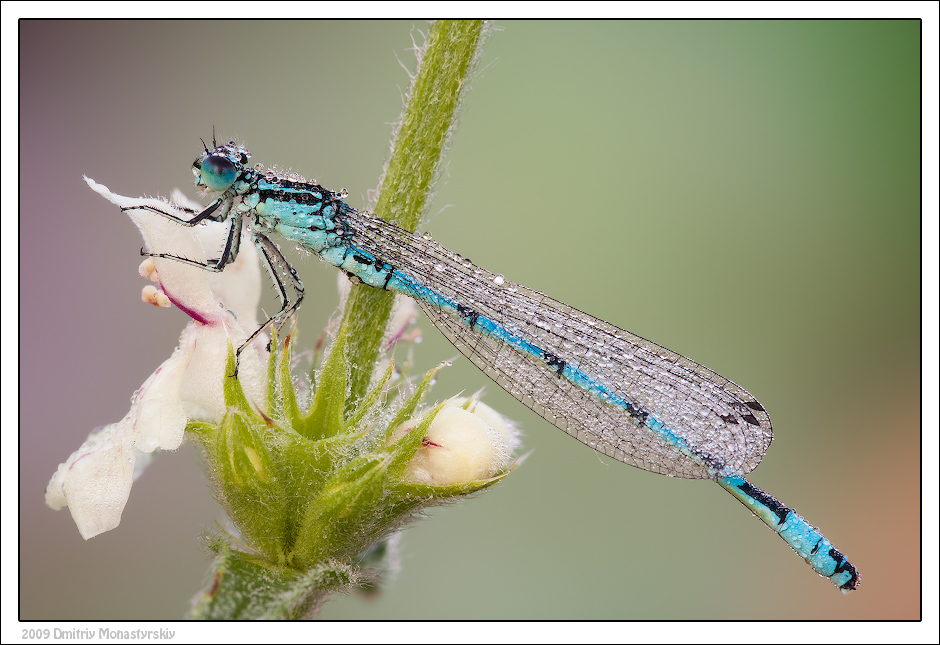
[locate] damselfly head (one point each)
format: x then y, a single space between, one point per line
217 169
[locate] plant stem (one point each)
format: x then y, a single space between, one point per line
427 124
246 585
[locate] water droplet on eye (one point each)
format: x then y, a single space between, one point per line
498 279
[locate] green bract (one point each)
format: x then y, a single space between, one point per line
307 486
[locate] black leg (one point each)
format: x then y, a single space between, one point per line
208 213
232 240
280 269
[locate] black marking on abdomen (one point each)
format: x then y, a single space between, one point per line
468 314
844 565
716 464
555 362
636 412
769 501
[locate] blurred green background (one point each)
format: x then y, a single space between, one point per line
745 193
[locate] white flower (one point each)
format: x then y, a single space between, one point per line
466 441
96 480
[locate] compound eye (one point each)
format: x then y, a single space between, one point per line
218 172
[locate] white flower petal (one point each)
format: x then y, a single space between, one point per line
201 392
95 481
508 436
186 285
159 418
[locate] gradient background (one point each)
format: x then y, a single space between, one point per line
745 193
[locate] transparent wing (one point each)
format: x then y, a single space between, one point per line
723 427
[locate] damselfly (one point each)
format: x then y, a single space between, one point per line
616 392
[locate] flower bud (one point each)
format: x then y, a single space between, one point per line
466 441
